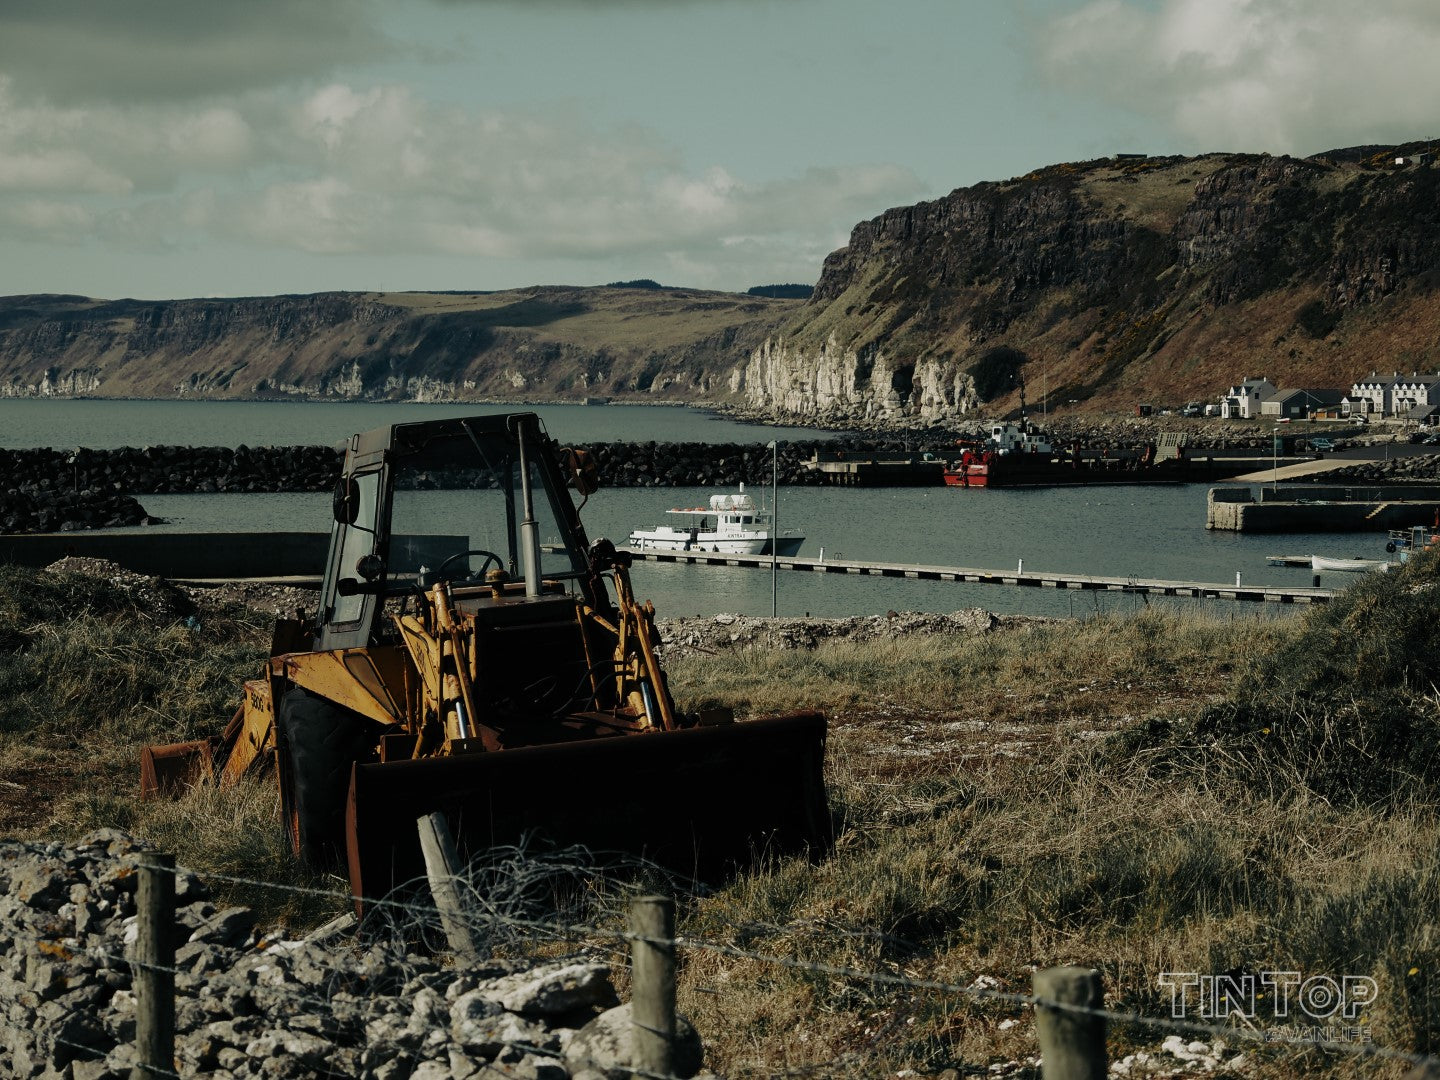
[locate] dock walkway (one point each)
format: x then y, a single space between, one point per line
1019 576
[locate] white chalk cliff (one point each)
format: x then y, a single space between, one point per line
836 383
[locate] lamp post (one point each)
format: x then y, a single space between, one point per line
774 448
1274 459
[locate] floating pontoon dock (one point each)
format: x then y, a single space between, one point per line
1277 594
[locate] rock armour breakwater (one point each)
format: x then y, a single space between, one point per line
36 508
177 470
1419 468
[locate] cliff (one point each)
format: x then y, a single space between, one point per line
530 344
1098 285
1092 286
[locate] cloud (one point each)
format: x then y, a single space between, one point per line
346 170
74 51
1285 76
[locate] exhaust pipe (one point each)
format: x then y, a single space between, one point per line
529 527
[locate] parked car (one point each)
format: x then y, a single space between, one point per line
1322 445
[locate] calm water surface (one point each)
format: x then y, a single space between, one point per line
107 424
1152 532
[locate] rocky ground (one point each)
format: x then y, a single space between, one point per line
263 1004
715 633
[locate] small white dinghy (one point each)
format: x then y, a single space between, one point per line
1324 562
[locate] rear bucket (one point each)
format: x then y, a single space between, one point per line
700 802
171 770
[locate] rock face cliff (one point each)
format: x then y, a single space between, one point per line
531 344
835 384
1120 281
1088 286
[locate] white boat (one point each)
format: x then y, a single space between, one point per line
730 525
1321 562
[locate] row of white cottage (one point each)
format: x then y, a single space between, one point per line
1413 397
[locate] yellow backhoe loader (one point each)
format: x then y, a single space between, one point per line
458 664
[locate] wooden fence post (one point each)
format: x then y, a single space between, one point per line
442 862
1072 1044
154 977
652 991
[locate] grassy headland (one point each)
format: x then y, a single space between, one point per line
1160 792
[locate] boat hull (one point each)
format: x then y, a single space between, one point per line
1035 470
1351 566
787 546
968 476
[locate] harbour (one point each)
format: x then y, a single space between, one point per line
1118 533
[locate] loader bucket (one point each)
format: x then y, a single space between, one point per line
700 802
173 769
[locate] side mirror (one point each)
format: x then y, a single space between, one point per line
584 473
345 502
370 567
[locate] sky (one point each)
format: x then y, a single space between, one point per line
176 148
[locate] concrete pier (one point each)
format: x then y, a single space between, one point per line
1319 508
1278 594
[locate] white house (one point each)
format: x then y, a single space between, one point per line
1395 394
1374 395
1243 399
1415 390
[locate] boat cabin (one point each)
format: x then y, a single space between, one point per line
1017 439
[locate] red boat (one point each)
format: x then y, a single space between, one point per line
972 470
1018 455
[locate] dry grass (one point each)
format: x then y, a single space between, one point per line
91 672
988 829
1104 668
1166 791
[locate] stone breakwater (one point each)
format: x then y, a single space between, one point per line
266 1005
46 490
174 470
1421 468
33 508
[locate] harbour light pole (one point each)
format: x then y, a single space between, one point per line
774 449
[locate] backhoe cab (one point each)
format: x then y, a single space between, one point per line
467 657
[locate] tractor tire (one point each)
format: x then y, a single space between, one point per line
322 741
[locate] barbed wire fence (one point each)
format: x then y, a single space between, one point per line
518 904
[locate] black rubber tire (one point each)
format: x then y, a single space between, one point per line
322 742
